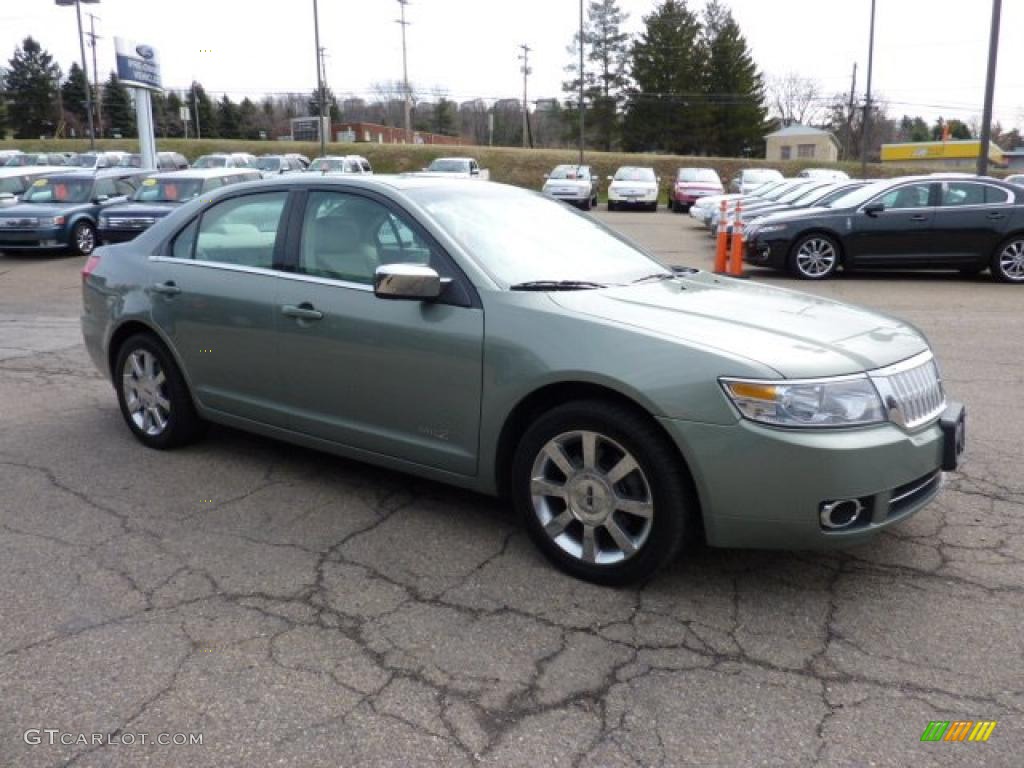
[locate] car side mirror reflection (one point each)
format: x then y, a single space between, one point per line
412 282
873 209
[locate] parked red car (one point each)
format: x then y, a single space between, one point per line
691 184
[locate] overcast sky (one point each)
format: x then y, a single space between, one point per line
930 55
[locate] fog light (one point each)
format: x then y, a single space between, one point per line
841 513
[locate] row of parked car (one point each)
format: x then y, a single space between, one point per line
814 228
640 187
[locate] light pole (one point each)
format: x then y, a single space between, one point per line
85 66
525 56
581 82
990 84
319 80
867 100
405 72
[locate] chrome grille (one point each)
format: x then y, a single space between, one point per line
911 390
21 223
140 222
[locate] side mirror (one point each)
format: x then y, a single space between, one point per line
412 282
873 209
611 178
474 171
99 199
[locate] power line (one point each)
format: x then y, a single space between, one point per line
405 69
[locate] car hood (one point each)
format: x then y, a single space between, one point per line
140 209
796 334
797 214
41 209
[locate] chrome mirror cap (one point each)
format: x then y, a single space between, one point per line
406 281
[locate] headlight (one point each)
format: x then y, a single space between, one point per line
771 228
52 221
844 402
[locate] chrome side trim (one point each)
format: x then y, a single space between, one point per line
930 480
264 271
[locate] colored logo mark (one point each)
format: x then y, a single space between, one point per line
958 730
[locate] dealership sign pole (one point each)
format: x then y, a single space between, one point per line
138 67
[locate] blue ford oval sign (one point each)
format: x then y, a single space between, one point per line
145 51
138 64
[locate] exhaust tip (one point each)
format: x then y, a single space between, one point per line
841 513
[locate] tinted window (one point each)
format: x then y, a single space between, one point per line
996 194
910 196
212 183
346 237
962 193
124 187
60 189
170 190
241 230
105 187
181 248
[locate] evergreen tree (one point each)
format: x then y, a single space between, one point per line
958 130
227 118
445 117
174 127
72 94
248 120
32 82
665 112
3 103
330 101
733 87
203 111
118 110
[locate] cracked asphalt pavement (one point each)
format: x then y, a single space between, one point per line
298 609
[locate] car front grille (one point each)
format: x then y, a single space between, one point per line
140 222
911 390
13 223
914 493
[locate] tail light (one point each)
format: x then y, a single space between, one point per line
90 265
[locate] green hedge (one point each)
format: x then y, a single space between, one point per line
522 167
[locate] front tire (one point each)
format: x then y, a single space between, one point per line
1007 265
585 205
601 492
83 238
814 257
154 399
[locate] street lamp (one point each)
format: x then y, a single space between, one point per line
85 67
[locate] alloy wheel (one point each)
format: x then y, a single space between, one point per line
1011 261
144 386
85 239
591 497
816 257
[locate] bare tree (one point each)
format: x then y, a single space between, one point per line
793 98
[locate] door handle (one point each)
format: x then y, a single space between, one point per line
303 311
995 215
919 217
168 288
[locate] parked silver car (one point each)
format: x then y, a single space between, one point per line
576 184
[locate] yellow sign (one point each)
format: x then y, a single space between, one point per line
39 183
149 183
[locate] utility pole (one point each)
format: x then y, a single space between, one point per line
405 73
525 58
581 82
848 148
319 79
195 108
867 100
93 37
85 65
990 84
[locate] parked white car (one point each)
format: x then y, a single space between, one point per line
824 174
457 168
633 186
576 184
340 164
749 179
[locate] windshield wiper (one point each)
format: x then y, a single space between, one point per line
556 285
654 276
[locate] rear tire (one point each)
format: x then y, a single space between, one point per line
1007 264
653 207
585 205
611 514
153 396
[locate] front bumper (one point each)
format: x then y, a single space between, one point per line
764 488
569 196
42 239
766 251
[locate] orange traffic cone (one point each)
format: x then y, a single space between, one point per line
722 246
736 257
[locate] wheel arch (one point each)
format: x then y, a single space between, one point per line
129 328
551 395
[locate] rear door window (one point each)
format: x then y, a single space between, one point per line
241 230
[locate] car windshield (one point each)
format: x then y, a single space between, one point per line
211 161
566 172
58 189
800 192
19 161
778 191
698 174
130 161
327 164
12 185
634 174
862 195
449 166
760 177
829 199
167 190
268 163
87 160
520 237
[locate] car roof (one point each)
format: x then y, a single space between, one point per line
399 182
202 173
31 170
102 173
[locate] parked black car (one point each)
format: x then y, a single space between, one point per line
926 222
59 211
162 193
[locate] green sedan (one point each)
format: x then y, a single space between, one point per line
487 337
